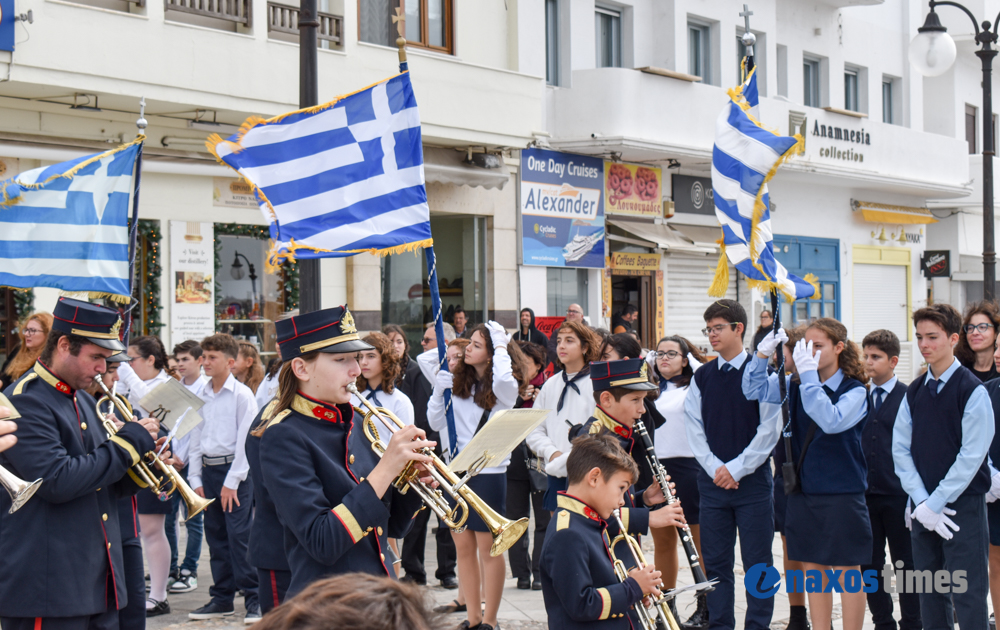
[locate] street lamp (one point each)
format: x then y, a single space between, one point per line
933 52
237 272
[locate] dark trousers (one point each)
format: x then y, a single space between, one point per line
107 620
195 531
520 500
888 525
412 552
272 585
227 534
967 551
748 510
133 616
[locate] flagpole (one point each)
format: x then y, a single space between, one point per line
309 271
133 237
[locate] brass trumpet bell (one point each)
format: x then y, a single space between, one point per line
20 490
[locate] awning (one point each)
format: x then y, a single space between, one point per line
885 213
700 234
663 236
446 166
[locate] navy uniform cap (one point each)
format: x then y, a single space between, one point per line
328 330
98 324
627 373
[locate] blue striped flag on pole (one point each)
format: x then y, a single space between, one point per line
745 157
338 179
65 226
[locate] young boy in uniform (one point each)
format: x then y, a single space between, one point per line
579 585
940 440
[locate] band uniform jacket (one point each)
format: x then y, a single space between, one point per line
56 552
314 459
266 548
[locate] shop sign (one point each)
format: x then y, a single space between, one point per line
562 209
233 193
661 320
192 276
629 261
548 325
606 296
693 195
936 263
633 190
9 167
7 25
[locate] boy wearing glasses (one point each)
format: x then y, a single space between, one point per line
732 438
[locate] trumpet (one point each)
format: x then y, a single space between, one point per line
170 481
504 531
658 615
20 490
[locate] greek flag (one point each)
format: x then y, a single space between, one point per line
340 178
745 157
65 226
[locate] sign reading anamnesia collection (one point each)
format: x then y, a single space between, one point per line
858 136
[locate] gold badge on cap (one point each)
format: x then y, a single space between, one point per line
643 371
116 329
347 323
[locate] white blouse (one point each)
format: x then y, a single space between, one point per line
468 413
553 434
671 438
397 402
267 390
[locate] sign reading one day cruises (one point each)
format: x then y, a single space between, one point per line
562 209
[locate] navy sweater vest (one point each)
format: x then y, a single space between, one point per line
730 419
876 440
834 463
993 389
937 429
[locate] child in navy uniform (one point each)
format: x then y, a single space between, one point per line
939 445
579 584
732 438
826 522
885 497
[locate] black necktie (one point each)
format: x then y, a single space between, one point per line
878 397
727 367
571 383
932 386
372 398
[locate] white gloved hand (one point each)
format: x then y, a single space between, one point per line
994 492
771 342
651 358
908 517
805 360
498 334
693 362
932 521
443 380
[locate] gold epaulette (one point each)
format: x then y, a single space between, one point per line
267 418
24 381
269 409
562 520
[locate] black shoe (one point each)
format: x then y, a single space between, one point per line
798 620
453 607
523 584
211 610
536 585
410 579
486 626
699 620
449 583
159 608
993 622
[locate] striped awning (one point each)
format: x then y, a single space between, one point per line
886 213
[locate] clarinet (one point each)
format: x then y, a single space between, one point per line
660 473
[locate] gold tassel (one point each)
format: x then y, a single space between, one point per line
814 281
276 258
721 281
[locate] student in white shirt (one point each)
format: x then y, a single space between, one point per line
219 471
569 394
485 381
268 388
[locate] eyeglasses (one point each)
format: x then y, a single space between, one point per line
669 354
32 331
717 329
982 328
428 340
571 311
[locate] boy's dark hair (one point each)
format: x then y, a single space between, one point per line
729 310
944 315
188 347
623 343
221 342
600 450
617 392
884 340
76 343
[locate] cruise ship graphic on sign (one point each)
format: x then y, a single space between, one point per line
580 245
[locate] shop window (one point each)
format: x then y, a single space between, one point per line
810 81
565 287
428 23
608 34
821 257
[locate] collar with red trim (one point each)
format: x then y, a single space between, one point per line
313 408
612 425
571 504
49 377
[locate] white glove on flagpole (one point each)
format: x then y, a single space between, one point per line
443 381
498 334
771 342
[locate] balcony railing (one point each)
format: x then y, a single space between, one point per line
239 11
285 19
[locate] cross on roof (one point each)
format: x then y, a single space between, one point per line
745 14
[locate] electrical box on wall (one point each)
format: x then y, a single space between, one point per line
668 209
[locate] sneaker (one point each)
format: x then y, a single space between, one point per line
253 615
185 584
157 608
211 610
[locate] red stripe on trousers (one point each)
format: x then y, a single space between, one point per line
274 591
38 623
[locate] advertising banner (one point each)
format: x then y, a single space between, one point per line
192 275
936 263
562 209
633 190
7 25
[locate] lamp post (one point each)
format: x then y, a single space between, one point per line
237 272
309 273
933 52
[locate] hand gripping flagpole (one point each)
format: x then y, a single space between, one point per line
432 281
133 236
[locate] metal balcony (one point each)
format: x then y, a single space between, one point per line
282 18
239 11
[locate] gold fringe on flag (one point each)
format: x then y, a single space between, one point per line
276 258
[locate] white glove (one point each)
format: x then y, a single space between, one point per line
693 362
994 492
908 517
651 358
557 467
771 342
932 521
804 358
443 380
498 334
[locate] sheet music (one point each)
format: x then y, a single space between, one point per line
169 401
14 415
498 437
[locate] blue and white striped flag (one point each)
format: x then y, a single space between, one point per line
65 226
745 157
338 179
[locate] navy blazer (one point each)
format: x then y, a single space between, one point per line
56 552
314 459
266 549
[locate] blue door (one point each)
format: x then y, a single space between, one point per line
821 257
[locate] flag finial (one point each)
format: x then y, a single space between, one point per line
142 123
749 39
400 21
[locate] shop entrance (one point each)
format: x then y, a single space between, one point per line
637 289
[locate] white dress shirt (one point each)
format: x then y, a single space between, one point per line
397 402
228 415
267 390
671 438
